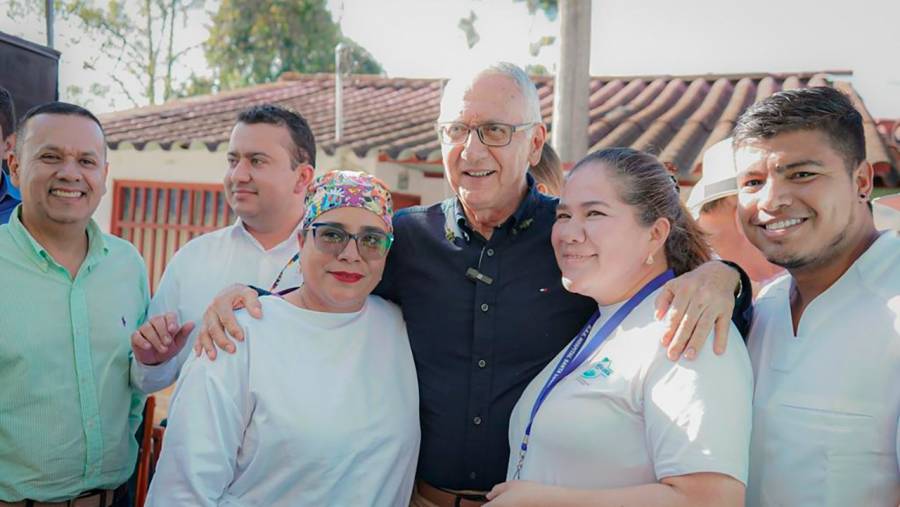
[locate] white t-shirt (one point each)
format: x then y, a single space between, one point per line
648 419
313 409
198 272
827 401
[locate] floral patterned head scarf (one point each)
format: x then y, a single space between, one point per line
348 189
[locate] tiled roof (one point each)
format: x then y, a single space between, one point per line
675 117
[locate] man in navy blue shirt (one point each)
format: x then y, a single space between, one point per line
479 286
480 290
9 195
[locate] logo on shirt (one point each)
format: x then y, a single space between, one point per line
602 368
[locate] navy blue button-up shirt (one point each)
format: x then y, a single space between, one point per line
477 345
9 198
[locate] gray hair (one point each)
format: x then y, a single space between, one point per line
513 72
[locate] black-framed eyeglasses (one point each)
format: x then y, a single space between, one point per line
490 134
372 244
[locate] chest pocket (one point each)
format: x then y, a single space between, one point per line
843 438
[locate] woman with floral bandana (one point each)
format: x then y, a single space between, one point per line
319 404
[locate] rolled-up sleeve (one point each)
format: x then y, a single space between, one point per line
207 420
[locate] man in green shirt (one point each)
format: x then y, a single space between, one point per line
71 298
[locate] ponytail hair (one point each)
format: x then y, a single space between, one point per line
643 183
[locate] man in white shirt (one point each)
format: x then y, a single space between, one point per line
271 155
825 340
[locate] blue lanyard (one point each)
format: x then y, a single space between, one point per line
575 355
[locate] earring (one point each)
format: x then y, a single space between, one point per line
862 196
649 260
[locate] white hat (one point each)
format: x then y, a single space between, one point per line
886 216
718 179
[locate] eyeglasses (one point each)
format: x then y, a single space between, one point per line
372 245
490 134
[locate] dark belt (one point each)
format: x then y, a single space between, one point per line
92 498
450 498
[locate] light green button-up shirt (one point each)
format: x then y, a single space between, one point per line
68 412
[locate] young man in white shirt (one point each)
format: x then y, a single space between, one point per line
271 156
825 340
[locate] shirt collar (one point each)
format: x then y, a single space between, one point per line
518 221
239 230
97 247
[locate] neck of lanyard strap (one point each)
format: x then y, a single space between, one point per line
578 352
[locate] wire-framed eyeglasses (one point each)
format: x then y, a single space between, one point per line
490 134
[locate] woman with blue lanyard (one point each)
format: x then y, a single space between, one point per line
612 421
319 404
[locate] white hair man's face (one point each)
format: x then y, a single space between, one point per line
489 178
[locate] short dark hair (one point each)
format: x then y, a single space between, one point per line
820 108
301 134
642 181
61 108
7 114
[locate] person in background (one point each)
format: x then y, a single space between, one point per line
610 420
271 155
825 339
548 173
71 297
9 194
319 404
713 203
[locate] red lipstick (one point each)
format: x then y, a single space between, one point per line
345 277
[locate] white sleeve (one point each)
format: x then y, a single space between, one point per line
150 379
209 413
698 413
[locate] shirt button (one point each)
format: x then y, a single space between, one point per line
476 420
490 252
482 363
485 307
472 475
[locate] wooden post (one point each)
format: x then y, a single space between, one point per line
572 88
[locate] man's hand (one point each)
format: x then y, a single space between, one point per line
522 494
219 319
693 304
159 339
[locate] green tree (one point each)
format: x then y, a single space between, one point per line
255 41
137 37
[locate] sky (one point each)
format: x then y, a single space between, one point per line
420 38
